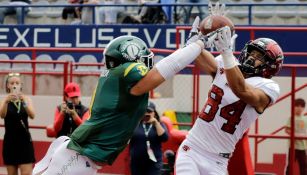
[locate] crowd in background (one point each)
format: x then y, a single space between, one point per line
16 108
81 11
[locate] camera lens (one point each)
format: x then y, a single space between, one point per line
70 105
146 118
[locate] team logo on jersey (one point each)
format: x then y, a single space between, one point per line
222 71
186 148
87 164
130 50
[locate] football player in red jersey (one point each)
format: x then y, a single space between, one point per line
241 90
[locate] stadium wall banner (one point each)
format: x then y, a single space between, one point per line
84 36
156 36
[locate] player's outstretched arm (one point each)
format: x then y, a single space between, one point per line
175 62
253 96
168 67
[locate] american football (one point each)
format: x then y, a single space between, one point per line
213 22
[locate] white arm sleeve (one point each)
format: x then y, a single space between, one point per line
178 60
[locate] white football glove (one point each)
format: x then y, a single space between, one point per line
193 36
233 40
223 44
218 9
208 39
223 40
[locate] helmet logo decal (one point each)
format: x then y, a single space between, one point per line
260 43
130 50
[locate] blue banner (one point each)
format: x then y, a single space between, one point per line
156 36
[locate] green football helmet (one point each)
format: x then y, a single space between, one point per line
125 49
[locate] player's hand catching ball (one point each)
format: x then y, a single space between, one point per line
223 40
195 35
194 32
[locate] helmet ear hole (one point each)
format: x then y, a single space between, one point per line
112 62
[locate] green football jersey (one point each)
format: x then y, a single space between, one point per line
114 114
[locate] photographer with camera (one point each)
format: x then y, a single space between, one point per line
146 144
15 109
71 113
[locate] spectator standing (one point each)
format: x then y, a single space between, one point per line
168 10
71 113
109 14
19 11
87 12
147 14
199 8
146 144
75 11
16 108
300 129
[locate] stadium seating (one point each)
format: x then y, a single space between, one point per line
37 14
22 66
5 66
87 59
261 15
242 1
302 15
55 13
65 57
238 14
287 14
44 67
4 2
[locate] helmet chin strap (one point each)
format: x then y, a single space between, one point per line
249 69
248 66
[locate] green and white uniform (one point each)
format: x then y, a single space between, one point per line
114 114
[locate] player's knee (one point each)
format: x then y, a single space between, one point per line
63 138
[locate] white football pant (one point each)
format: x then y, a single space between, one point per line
62 161
190 161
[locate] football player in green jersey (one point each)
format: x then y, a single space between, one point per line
118 104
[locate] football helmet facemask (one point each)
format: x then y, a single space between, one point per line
272 59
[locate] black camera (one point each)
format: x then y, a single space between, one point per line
70 105
146 118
